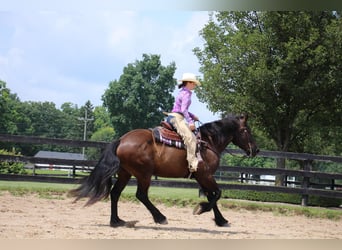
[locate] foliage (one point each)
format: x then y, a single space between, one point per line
101 118
72 127
143 91
11 167
280 197
44 119
8 110
103 134
283 67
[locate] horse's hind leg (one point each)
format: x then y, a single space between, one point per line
120 184
142 195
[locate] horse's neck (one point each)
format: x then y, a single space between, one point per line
220 144
223 146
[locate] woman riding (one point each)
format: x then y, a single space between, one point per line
184 121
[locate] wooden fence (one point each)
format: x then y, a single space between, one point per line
305 187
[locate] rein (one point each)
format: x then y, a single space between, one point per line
208 146
249 145
202 142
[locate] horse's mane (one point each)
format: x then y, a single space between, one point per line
217 131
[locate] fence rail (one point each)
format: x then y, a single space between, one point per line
306 188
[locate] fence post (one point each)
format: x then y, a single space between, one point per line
332 186
306 182
73 171
285 182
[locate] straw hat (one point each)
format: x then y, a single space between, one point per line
189 77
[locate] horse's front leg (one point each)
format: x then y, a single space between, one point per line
203 207
219 219
213 193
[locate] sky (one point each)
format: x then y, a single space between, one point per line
56 55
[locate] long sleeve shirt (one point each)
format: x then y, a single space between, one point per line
182 103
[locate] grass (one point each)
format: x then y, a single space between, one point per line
181 197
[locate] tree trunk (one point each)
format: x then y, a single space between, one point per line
279 181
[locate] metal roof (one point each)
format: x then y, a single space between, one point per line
60 155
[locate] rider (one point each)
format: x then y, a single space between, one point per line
183 120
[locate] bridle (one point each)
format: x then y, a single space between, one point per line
245 131
200 142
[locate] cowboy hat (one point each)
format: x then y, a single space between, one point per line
189 77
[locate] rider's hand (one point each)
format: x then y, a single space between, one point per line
192 127
195 118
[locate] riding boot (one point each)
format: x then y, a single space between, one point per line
199 157
193 166
198 160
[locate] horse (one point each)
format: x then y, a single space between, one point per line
138 154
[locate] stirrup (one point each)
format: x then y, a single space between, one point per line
192 170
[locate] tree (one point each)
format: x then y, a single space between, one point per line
101 118
283 67
71 127
103 134
143 91
8 106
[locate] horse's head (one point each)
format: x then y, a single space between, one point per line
243 137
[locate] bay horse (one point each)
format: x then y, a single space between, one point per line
138 154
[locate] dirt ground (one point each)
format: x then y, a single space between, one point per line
31 217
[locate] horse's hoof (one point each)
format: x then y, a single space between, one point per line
162 222
119 223
227 224
197 210
223 223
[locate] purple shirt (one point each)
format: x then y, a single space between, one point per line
182 103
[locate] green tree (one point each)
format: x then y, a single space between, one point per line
41 119
142 92
101 118
283 67
45 119
8 110
105 134
71 127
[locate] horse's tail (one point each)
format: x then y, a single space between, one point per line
99 183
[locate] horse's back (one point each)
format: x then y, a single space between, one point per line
133 142
139 150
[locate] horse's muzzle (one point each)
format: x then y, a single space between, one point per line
252 151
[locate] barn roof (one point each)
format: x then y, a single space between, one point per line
60 155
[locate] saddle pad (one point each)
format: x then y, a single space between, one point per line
168 137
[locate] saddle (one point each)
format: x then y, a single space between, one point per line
167 135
